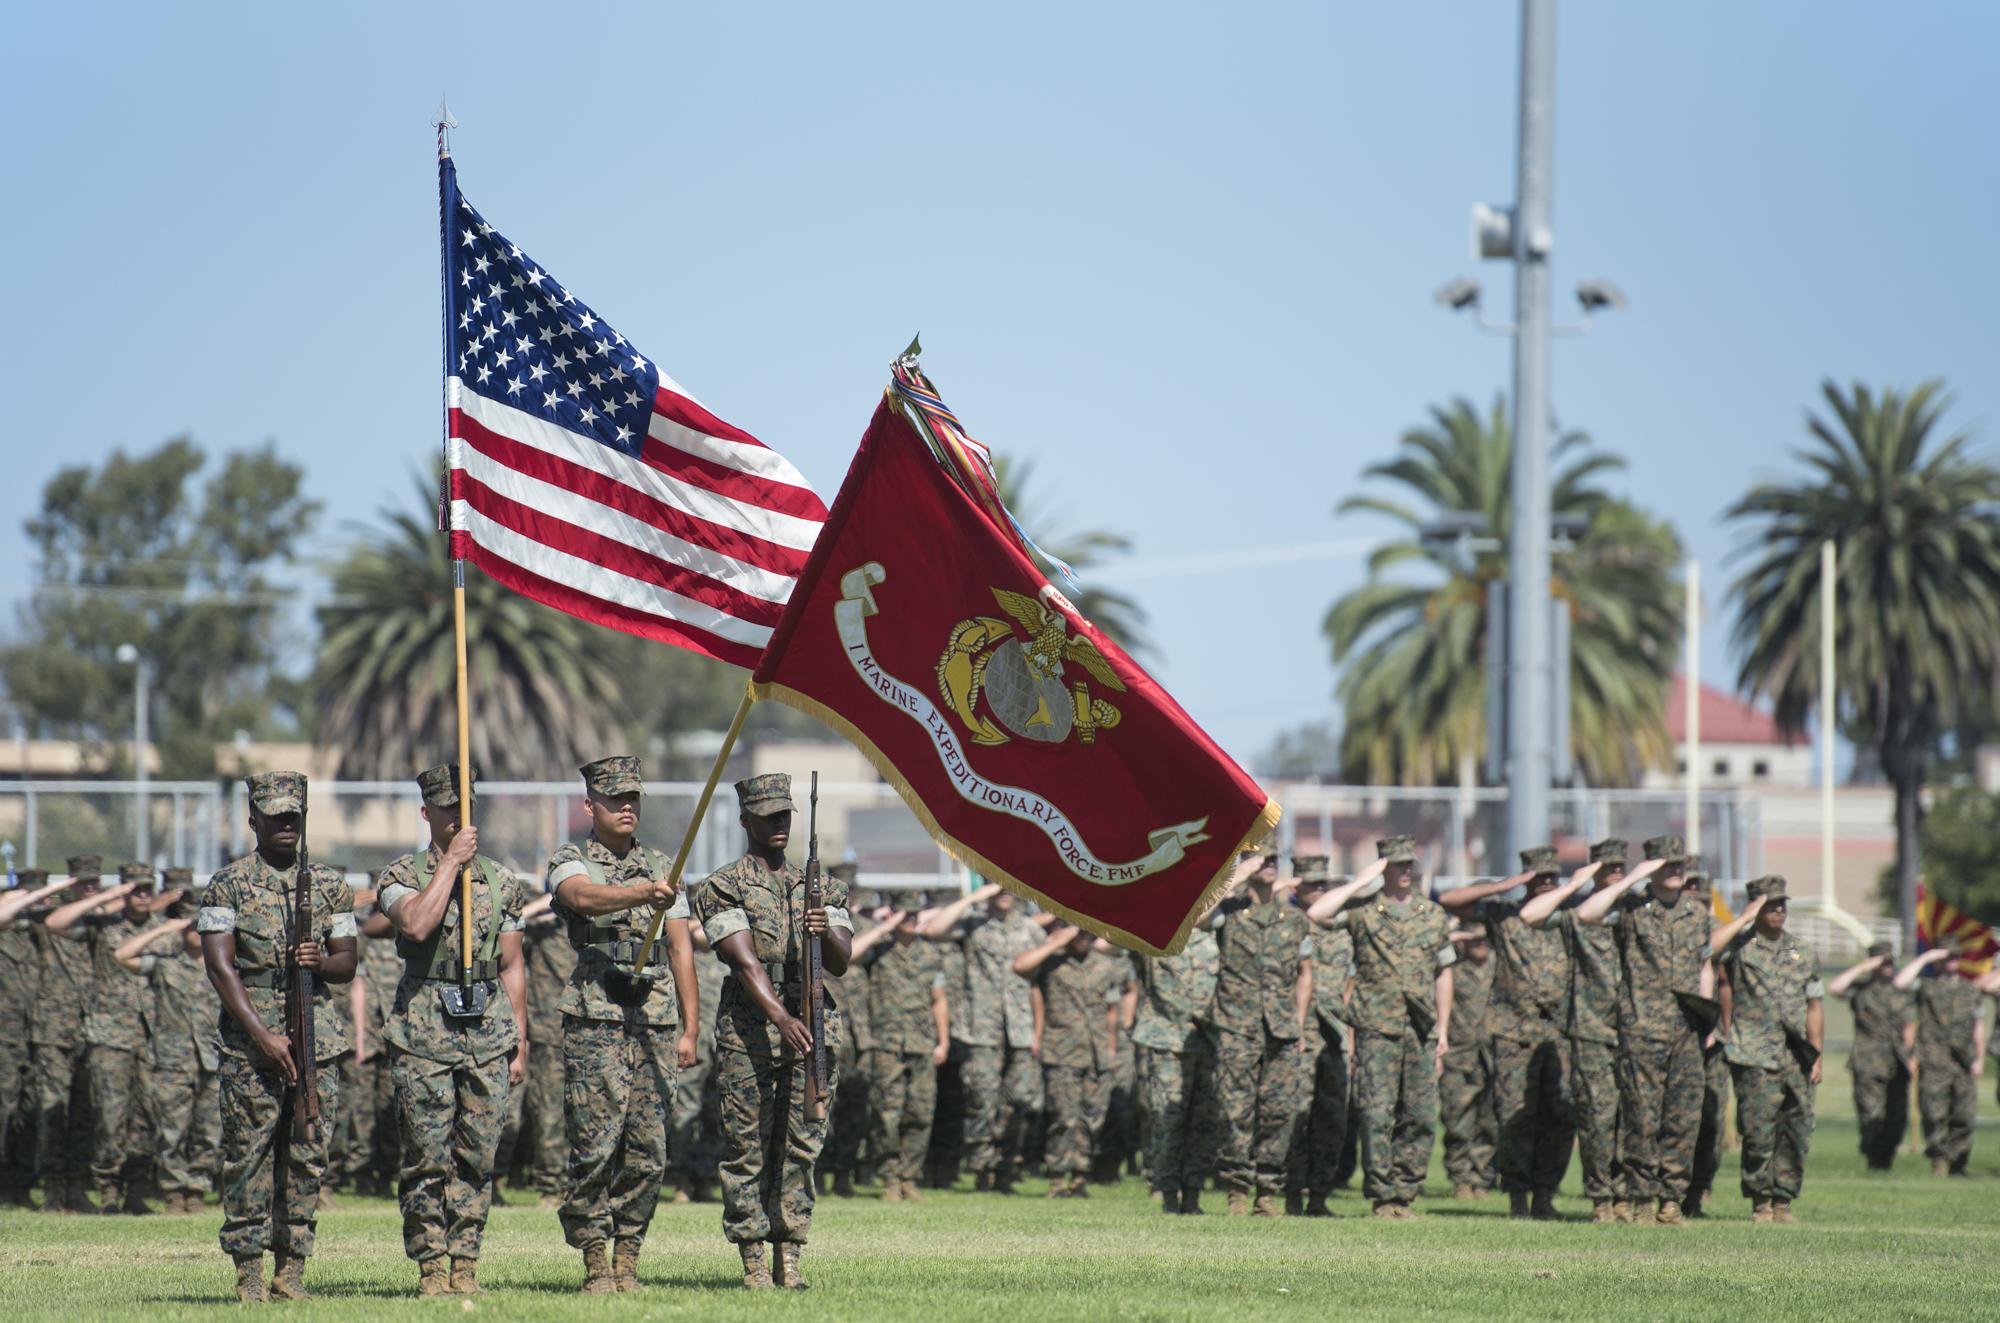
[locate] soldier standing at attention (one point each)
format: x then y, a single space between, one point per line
911 1024
625 1033
1324 1122
248 944
1951 1053
20 977
1465 1089
756 916
550 962
1402 1001
1591 1025
186 1049
851 1119
375 1151
1180 1069
55 1035
456 1048
1879 1060
1079 1000
1715 1070
1531 1067
114 1025
1775 1039
995 1028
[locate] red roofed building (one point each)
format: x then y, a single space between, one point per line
1740 746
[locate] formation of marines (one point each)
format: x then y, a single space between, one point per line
615 1036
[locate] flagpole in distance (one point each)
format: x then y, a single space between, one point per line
447 207
694 823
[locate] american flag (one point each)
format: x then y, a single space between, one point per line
586 478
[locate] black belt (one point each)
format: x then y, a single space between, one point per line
625 951
446 971
260 978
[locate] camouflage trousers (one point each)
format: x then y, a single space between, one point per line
1003 1091
260 1212
1660 1091
1532 1099
769 1145
1321 1134
372 1138
851 1119
1948 1101
616 1082
1075 1099
450 1114
1470 1122
1180 1096
905 1104
1594 1102
118 1097
1881 1101
947 1138
1774 1115
62 1114
1395 1086
1259 1082
1714 1110
1120 1134
694 1134
17 1108
187 1116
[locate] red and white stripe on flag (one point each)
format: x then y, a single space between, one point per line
695 541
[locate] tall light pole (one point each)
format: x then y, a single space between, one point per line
129 655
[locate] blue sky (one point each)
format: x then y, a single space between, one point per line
1179 256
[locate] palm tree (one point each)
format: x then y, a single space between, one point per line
1918 610
1414 650
544 694
1113 612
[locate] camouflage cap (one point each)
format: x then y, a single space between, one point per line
277 792
1767 888
30 877
85 867
178 877
1694 871
1312 869
1667 849
1881 951
440 784
616 775
136 872
1397 849
769 793
1610 850
845 872
1540 860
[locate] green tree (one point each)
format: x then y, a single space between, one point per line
1960 840
1912 511
1414 648
183 562
1085 549
546 693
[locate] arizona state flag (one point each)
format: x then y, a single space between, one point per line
1940 923
1030 745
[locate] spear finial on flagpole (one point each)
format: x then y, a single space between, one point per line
444 124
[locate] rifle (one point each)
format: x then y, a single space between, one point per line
813 1009
299 1003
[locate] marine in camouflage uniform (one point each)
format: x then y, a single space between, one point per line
186 1064
1776 1034
1079 997
374 1149
1879 1058
1715 1070
1175 993
1596 977
1119 1137
456 1045
756 915
1330 1122
1257 1015
1663 944
20 976
993 1024
947 1141
1401 1008
1950 1023
623 1039
1465 1088
55 1035
909 1022
246 926
851 1120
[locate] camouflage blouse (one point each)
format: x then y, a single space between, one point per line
902 975
1174 991
253 900
1771 982
1531 975
1472 1012
186 1036
1881 1010
1262 946
1398 951
62 987
1663 947
748 897
1596 978
417 1023
1076 990
115 1015
994 1011
1947 1006
612 941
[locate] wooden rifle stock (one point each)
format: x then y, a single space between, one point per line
299 1004
813 1010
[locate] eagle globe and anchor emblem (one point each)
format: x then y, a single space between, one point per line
989 674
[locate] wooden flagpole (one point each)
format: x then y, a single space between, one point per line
694 823
447 196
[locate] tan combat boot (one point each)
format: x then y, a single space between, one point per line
1388 1212
625 1263
464 1276
433 1277
1621 1211
596 1271
1462 1190
1760 1210
288 1282
1266 1205
1669 1214
1079 1188
681 1196
1316 1205
1939 1167
549 1201
108 1197
1544 1207
789 1274
250 1280
1781 1211
756 1267
892 1190
913 1195
1603 1211
1239 1203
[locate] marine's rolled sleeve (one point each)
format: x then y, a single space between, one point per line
1447 956
562 870
722 912
387 899
343 925
837 917
215 919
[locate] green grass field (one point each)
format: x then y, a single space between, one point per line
1902 1246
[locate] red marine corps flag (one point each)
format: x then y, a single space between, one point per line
1029 744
